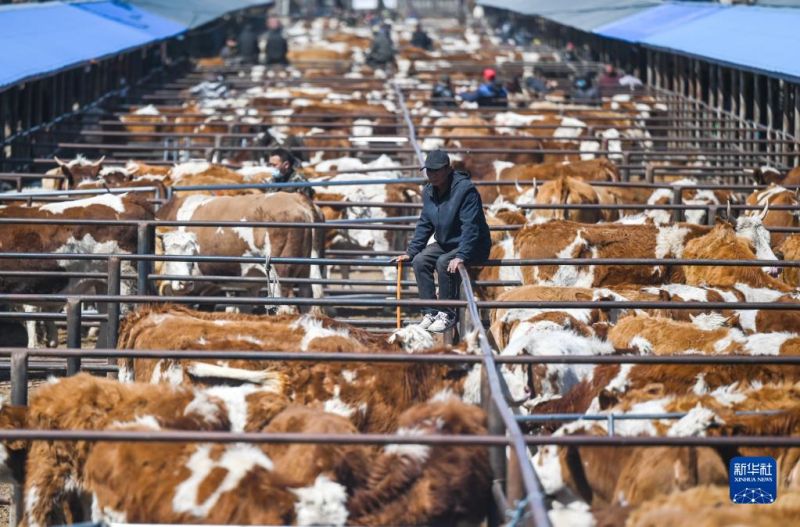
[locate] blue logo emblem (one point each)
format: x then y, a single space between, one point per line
753 480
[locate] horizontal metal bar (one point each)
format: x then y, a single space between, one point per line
387 357
626 416
488 304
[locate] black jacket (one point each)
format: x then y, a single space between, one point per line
248 44
456 220
277 48
443 96
382 51
421 39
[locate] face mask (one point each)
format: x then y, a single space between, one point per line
273 172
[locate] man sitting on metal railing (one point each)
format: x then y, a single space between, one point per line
452 212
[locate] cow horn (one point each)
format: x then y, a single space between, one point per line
99 162
764 212
535 188
60 162
728 211
517 185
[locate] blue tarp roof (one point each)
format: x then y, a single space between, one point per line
759 38
581 14
126 14
43 38
40 38
637 27
193 13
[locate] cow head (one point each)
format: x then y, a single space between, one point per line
80 169
752 229
181 243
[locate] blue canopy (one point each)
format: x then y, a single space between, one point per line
638 27
765 39
758 38
193 13
42 38
131 16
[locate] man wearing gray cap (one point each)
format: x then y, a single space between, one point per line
452 212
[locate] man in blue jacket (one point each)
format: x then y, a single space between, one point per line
490 93
453 213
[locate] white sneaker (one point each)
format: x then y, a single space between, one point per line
442 322
426 321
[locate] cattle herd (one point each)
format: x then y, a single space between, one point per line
559 181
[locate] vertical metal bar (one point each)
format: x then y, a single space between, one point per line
113 309
73 333
144 245
19 397
497 455
677 199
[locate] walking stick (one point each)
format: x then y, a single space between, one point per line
399 276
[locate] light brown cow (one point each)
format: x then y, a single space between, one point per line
241 241
526 174
790 250
566 190
713 504
722 243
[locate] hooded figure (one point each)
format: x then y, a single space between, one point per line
381 54
277 47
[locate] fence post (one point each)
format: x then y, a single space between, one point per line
711 215
497 455
625 172
677 199
113 308
73 333
649 172
144 245
19 396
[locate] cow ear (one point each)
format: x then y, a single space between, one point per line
66 171
606 399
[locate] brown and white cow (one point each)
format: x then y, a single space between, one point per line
427 484
288 484
73 172
69 239
54 476
776 195
371 395
249 241
562 239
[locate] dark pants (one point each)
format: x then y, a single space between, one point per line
433 257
